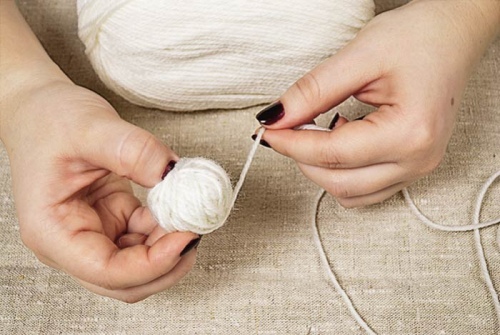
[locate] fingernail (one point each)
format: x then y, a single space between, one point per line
192 244
262 142
334 121
169 168
271 114
360 118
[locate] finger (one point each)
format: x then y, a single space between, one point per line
142 221
337 121
129 240
155 235
346 183
373 140
327 85
94 258
114 210
138 293
373 198
128 151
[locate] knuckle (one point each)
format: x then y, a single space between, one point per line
109 284
431 165
31 241
308 88
329 157
137 147
27 238
423 140
338 190
424 150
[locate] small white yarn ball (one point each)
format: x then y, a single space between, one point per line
196 195
213 54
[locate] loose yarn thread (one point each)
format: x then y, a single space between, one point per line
476 226
212 54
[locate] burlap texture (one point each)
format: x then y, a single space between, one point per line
261 274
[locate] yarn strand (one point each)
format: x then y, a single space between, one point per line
245 169
331 275
476 226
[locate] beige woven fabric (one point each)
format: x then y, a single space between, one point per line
261 274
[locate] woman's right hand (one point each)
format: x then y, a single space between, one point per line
71 157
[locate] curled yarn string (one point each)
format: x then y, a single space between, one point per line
331 275
476 226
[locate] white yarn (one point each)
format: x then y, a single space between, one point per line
196 195
212 54
476 226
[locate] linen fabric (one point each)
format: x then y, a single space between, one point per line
260 273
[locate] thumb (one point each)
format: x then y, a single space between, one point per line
128 151
324 87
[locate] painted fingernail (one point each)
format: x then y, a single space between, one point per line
196 246
271 114
262 142
360 118
334 121
169 168
192 244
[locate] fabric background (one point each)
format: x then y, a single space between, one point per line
261 273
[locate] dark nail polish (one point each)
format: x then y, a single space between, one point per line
197 244
334 121
262 142
360 118
169 168
271 114
192 244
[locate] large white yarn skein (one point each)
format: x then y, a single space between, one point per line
212 54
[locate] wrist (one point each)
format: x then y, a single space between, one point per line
470 24
19 82
24 64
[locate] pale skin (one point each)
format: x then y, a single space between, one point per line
72 156
412 64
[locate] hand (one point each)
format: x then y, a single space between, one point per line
71 156
412 64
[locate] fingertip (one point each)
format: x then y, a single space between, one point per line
174 244
271 114
193 244
130 151
340 122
